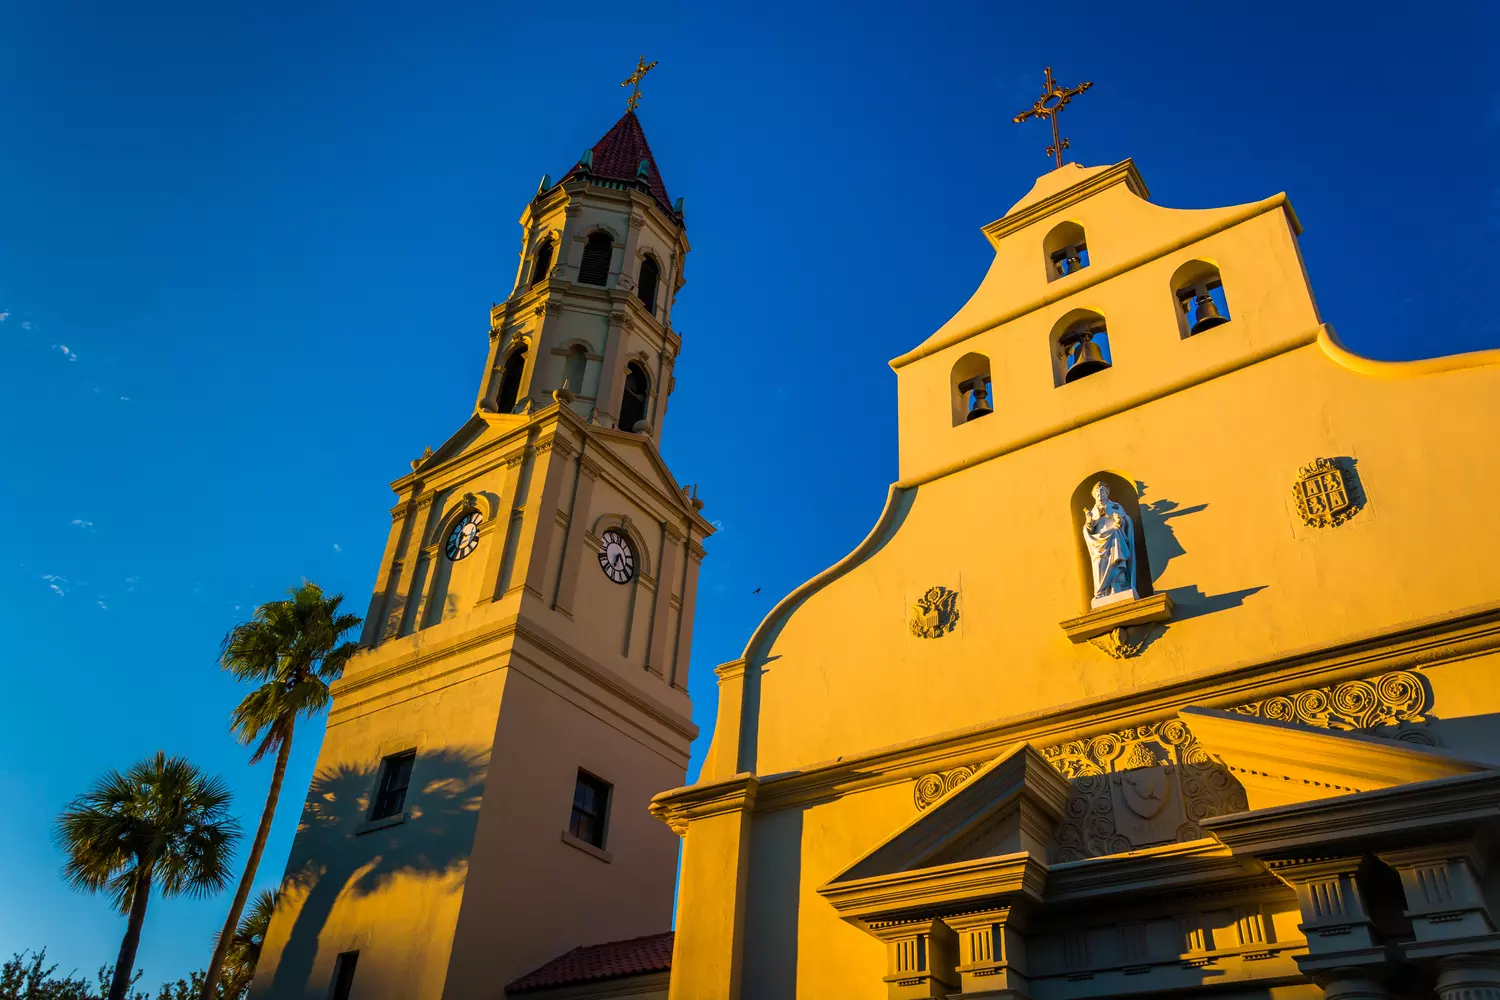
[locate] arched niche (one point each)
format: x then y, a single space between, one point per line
1123 492
1065 250
1068 350
541 263
598 253
635 397
970 388
1198 293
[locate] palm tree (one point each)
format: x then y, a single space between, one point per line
292 649
162 823
244 950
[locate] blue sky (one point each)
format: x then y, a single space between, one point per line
247 253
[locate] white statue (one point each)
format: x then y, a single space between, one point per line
1110 537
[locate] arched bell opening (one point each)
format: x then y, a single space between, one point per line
1080 347
970 389
510 381
1066 250
633 402
1199 291
541 264
645 286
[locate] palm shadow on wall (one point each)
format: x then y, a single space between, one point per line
1162 546
442 808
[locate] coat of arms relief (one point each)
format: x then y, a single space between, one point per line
1154 784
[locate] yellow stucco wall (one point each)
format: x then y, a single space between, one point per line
839 707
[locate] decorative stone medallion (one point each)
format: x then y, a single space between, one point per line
1323 495
935 614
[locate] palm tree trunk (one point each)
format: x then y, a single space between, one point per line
125 963
231 924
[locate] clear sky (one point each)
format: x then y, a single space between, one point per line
247 253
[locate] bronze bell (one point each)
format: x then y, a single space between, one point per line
979 405
1208 315
1085 358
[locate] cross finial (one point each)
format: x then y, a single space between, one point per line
641 69
1049 106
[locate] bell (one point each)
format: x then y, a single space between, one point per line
979 404
1087 359
1208 315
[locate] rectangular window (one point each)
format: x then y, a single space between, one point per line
395 775
590 809
343 975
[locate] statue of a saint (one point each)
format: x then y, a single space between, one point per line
1110 537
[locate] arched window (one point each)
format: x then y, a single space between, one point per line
510 381
637 391
970 389
645 288
594 268
542 263
1066 249
1200 297
574 367
1080 346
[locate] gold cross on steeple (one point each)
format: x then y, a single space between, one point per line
641 69
1049 106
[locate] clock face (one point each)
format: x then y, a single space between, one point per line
615 557
464 538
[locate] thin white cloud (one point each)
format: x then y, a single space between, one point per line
101 604
131 581
26 324
61 347
54 583
718 525
336 547
124 399
3 315
80 523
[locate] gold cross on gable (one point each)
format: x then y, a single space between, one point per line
641 69
1049 106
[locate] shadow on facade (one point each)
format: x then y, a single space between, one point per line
773 902
1190 602
1161 540
336 862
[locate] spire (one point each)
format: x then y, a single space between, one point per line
624 156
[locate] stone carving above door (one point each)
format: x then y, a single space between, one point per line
1152 784
1393 705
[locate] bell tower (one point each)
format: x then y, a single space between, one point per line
479 805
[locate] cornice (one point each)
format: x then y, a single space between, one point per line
1471 632
1057 291
1123 172
1191 869
681 806
1442 808
963 885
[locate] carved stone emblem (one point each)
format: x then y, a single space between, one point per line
935 614
1322 494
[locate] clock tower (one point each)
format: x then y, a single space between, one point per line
479 805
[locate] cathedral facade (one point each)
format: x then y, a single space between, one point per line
1171 667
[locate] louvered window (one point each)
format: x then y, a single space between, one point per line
594 270
646 287
543 263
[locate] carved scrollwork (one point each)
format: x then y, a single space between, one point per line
1395 700
931 787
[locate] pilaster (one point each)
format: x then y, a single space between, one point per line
921 958
567 572
991 953
1345 955
406 573
714 822
612 374
1451 917
692 558
660 644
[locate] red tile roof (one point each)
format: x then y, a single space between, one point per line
635 957
618 156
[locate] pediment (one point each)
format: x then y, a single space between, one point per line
1281 763
984 840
